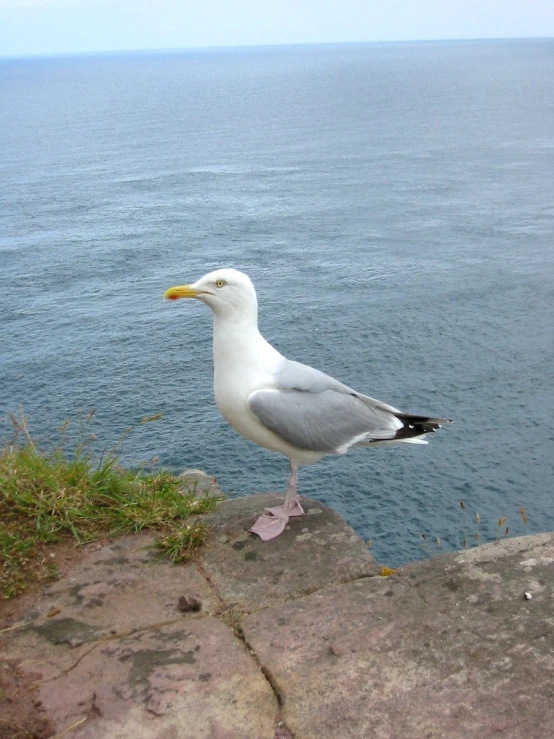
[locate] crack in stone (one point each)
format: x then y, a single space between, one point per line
231 618
265 671
339 581
213 587
69 669
280 724
303 594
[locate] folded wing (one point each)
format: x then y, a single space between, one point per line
329 421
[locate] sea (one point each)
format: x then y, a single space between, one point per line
393 204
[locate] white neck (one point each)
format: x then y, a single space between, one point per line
238 343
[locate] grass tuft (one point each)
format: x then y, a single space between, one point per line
181 544
69 492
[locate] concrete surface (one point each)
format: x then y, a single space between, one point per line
299 637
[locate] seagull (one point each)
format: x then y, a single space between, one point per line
282 405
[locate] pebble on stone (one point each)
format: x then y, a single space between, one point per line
187 603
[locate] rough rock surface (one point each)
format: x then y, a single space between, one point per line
200 483
450 647
299 637
314 551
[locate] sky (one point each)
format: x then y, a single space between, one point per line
31 27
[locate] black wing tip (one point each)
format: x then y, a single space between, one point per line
418 425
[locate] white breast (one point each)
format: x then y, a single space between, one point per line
243 363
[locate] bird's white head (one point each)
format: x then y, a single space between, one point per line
228 292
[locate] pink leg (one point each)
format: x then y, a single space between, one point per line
269 526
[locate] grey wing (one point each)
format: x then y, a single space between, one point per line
297 376
312 411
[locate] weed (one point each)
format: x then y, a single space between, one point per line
70 492
182 543
468 541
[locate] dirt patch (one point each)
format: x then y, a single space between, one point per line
21 715
64 554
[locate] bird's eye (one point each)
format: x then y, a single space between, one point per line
220 283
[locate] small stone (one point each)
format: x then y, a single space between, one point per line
527 595
187 603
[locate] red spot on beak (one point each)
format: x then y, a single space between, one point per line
173 297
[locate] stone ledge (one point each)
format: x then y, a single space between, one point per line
299 636
314 551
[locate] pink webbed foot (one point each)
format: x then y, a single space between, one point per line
272 523
294 510
269 527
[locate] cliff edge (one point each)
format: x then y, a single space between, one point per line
298 637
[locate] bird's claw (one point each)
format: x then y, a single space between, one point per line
295 510
269 527
272 523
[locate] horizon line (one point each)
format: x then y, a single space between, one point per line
238 47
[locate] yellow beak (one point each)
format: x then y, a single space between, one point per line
183 291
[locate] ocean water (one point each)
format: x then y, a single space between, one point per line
393 204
